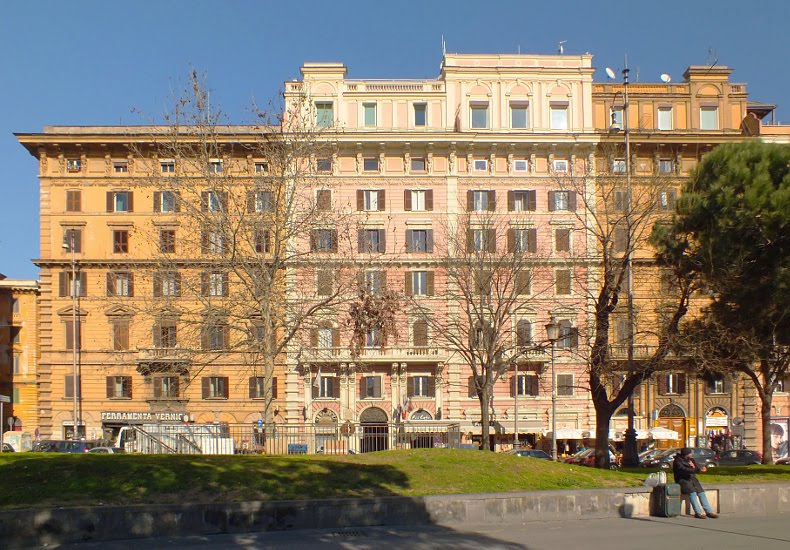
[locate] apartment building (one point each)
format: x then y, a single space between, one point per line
405 178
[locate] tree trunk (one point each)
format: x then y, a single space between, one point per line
485 403
602 418
765 416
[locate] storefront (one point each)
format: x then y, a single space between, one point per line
112 421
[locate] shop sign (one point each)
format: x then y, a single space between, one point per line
132 417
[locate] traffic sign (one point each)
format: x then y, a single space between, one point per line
5 399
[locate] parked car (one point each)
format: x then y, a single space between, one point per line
7 448
532 453
701 455
739 457
650 455
580 456
106 450
65 446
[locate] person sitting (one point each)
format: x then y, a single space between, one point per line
685 470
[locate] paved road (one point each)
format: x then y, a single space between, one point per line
727 532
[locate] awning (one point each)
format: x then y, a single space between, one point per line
570 433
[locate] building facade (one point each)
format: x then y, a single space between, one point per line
421 172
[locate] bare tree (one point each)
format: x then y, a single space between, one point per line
617 213
246 255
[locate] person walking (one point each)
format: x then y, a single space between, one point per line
685 470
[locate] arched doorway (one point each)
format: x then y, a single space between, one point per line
717 426
673 417
326 433
375 430
421 439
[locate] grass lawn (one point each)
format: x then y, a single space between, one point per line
54 479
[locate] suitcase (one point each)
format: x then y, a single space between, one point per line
665 500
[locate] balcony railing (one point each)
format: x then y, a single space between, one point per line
375 353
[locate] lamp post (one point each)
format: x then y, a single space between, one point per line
553 334
515 407
74 339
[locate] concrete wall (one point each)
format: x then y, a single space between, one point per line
23 528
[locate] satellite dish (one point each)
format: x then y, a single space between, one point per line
609 72
666 78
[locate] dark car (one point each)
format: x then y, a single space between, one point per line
703 457
739 457
65 446
532 453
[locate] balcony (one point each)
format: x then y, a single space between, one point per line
387 353
151 360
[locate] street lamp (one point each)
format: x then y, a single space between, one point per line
553 334
69 246
630 451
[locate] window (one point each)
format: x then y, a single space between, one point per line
665 118
263 241
73 200
165 335
420 112
18 365
370 387
371 240
562 200
69 386
418 164
215 337
120 284
524 240
213 201
323 200
215 387
562 240
369 114
373 338
519 114
622 331
15 305
15 335
167 166
324 282
558 113
259 202
69 286
480 201
323 240
715 384
620 200
119 387
374 282
258 387
215 283
328 387
417 200
120 241
167 283
419 283
523 333
480 165
166 387
324 115
560 166
167 241
370 164
521 165
562 282
666 199
215 167
119 201
527 385
708 118
370 200
421 386
166 201
482 240
120 167
72 238
620 240
261 167
73 165
672 384
419 240
323 165
666 166
522 201
70 334
419 332
479 115
618 166
617 118
325 338
565 385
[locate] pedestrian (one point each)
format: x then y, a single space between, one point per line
685 470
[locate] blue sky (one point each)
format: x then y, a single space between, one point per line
85 62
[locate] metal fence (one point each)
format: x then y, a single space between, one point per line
281 439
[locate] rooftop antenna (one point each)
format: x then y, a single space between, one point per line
561 47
